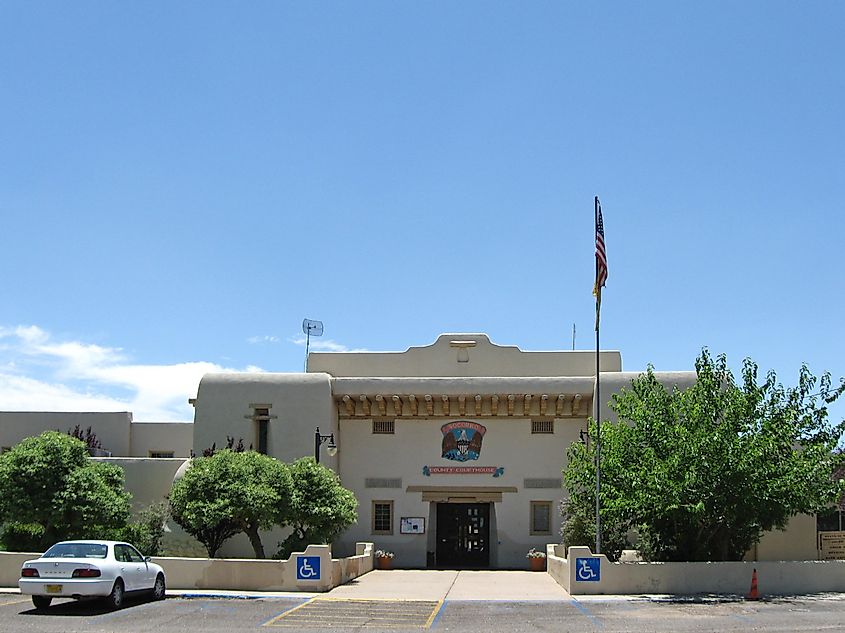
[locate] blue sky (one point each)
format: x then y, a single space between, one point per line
182 183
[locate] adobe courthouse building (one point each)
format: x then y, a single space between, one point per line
454 450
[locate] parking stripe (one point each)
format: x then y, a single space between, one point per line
284 613
339 612
435 614
587 613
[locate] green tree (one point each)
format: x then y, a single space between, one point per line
701 473
231 492
579 510
147 531
320 508
50 491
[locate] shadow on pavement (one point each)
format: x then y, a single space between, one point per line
85 608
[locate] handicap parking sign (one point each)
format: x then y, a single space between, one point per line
308 568
588 569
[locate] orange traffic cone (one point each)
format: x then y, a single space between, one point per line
753 595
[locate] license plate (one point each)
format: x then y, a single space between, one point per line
53 588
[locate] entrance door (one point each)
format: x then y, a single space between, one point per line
463 535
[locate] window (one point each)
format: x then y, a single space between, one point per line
134 555
77 550
542 426
382 517
161 454
127 554
541 517
261 416
829 520
386 427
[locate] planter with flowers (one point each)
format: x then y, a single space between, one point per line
536 559
384 559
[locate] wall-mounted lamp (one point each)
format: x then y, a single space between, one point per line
331 449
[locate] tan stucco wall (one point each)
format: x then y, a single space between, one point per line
417 443
797 542
614 382
300 402
161 436
441 359
117 432
148 479
773 577
247 575
112 429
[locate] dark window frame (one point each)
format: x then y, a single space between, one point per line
376 518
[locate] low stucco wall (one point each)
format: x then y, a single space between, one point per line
345 569
10 567
557 565
266 575
773 577
237 574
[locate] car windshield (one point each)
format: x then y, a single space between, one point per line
77 550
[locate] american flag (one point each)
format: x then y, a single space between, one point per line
601 255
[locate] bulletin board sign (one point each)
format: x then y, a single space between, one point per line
831 545
412 525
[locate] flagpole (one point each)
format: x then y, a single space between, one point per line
598 398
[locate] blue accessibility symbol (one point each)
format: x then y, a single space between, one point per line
588 569
308 568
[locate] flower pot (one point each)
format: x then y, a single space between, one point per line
384 562
537 564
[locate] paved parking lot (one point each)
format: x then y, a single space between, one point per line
323 613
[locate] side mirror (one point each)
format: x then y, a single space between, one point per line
147 559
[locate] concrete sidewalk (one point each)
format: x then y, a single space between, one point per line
517 586
422 584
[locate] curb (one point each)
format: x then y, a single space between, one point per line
199 594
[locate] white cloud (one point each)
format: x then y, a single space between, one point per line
40 374
323 345
267 338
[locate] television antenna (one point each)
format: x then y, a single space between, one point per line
310 328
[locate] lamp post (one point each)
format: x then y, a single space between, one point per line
319 439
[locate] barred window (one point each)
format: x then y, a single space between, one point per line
542 426
382 517
385 427
161 454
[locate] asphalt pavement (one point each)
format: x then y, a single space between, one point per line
404 601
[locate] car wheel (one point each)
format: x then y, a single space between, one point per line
159 588
115 598
41 602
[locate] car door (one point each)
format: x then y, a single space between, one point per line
131 568
146 576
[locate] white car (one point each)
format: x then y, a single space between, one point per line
86 569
